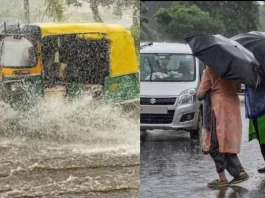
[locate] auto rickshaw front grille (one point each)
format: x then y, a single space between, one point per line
157 118
158 101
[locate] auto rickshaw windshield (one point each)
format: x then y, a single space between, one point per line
17 52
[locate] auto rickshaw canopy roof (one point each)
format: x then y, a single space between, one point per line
123 54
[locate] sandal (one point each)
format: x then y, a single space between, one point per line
261 170
239 179
218 183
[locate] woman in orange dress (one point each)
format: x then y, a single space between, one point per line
225 131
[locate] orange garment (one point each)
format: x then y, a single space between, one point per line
226 107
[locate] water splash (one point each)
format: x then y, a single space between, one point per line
86 122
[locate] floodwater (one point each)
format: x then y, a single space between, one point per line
82 149
173 166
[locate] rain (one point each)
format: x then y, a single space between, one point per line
69 127
173 163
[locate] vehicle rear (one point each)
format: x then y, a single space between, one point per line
21 68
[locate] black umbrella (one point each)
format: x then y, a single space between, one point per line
226 57
254 42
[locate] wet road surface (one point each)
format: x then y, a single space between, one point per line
74 171
69 151
173 166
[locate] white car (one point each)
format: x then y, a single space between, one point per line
170 76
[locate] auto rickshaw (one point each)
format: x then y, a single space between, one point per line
38 60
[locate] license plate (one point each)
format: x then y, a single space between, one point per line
153 110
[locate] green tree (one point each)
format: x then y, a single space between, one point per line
55 8
262 18
182 20
237 16
150 29
143 11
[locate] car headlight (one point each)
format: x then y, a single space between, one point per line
187 96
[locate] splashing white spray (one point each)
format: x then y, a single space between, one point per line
92 124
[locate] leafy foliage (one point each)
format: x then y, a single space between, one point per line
182 20
55 7
149 30
237 16
262 17
143 11
234 16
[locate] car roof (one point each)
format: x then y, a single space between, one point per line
181 48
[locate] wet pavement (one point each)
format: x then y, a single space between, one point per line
70 171
68 151
173 166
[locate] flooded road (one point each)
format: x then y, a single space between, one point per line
74 150
173 166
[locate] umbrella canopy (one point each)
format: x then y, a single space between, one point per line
254 42
226 57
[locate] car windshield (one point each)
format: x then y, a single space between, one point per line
167 67
17 52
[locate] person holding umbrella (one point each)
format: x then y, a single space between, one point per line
254 97
226 126
229 64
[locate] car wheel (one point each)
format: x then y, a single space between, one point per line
197 134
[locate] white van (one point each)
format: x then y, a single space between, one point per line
170 76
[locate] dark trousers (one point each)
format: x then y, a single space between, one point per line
224 161
262 146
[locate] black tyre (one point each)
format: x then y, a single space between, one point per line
197 134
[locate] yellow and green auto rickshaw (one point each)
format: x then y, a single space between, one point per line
41 59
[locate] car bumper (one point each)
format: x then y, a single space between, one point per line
152 121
